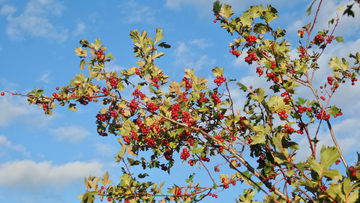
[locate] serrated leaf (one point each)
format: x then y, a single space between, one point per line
242 87
339 39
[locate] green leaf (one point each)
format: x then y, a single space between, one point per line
339 39
328 156
308 11
164 45
242 87
217 7
190 178
333 111
159 35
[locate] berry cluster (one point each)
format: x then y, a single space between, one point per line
283 115
156 80
137 93
145 130
186 118
219 80
202 98
288 129
353 81
323 187
337 162
164 167
137 71
302 51
85 100
56 96
330 80
188 85
234 52
175 110
134 135
152 107
217 18
261 160
133 105
273 65
102 117
322 115
114 82
216 98
105 91
251 39
168 154
250 58
352 171
301 33
259 71
213 195
301 130
185 154
100 55
249 140
318 39
273 77
221 116
329 40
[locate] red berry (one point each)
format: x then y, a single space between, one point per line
2 93
57 88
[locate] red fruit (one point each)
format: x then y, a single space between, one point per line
109 199
77 84
57 88
2 93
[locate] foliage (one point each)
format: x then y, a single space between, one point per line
190 119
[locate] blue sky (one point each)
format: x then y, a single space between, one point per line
45 158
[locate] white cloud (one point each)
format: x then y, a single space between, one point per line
185 58
70 133
45 78
80 29
7 10
134 12
11 110
106 149
28 174
6 145
34 21
113 67
201 43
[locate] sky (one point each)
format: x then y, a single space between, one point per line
45 158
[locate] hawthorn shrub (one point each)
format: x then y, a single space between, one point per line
189 120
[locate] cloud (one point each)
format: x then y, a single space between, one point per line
185 58
28 174
80 29
106 149
134 12
7 10
201 43
113 67
34 21
44 78
5 145
70 133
